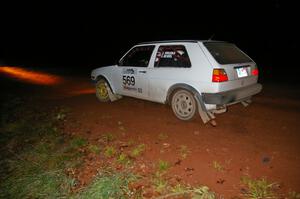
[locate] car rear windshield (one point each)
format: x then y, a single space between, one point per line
226 53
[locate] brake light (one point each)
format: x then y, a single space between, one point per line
255 72
219 75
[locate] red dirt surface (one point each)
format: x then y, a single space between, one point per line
261 140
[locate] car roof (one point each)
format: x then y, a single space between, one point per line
177 41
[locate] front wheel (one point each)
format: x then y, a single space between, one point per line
101 91
184 104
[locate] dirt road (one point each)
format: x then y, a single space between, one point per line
260 141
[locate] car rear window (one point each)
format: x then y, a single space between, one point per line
226 53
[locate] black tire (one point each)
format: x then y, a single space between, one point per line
184 104
101 91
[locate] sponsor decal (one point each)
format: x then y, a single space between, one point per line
129 88
129 71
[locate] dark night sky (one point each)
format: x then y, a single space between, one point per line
87 35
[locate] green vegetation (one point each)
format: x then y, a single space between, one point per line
163 166
202 192
108 137
258 188
36 159
138 150
179 188
109 151
123 159
130 142
78 142
39 173
94 149
34 154
161 185
109 185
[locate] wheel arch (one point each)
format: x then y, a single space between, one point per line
106 79
180 86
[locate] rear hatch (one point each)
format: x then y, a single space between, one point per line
241 70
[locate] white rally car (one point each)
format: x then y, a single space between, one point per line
191 76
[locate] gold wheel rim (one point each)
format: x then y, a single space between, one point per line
101 90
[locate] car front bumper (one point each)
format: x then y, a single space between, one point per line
232 96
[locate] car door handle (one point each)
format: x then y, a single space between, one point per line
142 71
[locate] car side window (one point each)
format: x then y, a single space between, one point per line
172 56
138 56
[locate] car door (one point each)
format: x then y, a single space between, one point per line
171 66
133 72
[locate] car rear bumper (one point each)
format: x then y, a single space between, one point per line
231 96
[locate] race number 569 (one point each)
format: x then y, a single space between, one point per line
128 80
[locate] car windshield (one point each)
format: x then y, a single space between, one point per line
226 53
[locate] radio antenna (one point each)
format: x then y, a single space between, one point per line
211 36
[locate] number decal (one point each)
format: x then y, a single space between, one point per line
124 80
128 80
132 79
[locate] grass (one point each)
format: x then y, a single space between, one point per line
78 142
35 159
161 185
109 185
258 188
179 188
109 151
130 142
138 150
182 191
163 166
217 166
34 154
94 149
108 137
203 192
123 159
39 161
37 174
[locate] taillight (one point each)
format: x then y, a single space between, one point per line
219 75
255 72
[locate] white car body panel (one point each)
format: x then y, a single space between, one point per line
153 83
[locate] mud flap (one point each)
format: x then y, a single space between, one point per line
205 115
246 102
113 97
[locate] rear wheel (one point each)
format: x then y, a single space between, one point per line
101 91
184 104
